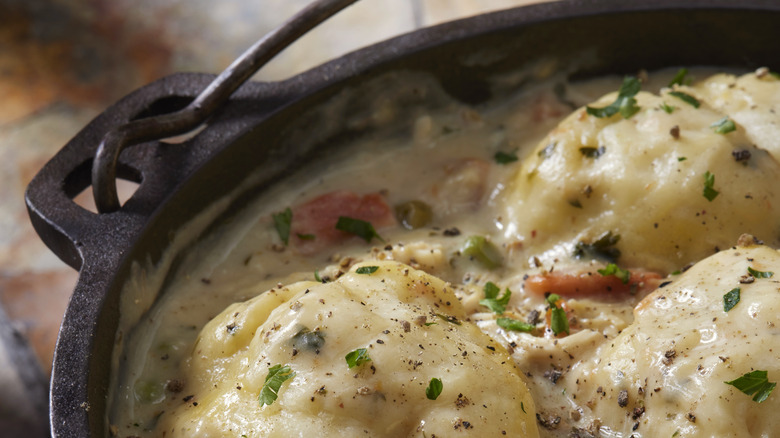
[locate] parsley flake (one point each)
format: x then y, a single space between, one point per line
754 383
282 223
358 227
514 325
679 78
306 339
559 323
591 152
724 126
367 269
547 151
306 236
760 274
602 248
625 103
434 389
505 157
687 98
612 269
449 319
357 357
277 375
491 300
731 299
709 182
668 109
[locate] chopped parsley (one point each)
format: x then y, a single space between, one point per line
760 274
625 103
687 98
277 375
547 151
491 300
306 339
450 319
483 251
679 78
514 325
317 277
358 227
505 157
591 152
559 323
668 109
434 389
612 269
602 248
357 357
282 223
754 383
682 158
724 126
306 236
367 269
709 182
731 299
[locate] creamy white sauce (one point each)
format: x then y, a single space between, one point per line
434 163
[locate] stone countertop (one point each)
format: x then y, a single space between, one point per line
63 61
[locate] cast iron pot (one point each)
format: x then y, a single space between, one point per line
260 131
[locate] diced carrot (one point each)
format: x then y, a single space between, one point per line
592 284
314 222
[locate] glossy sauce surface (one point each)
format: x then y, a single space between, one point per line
529 226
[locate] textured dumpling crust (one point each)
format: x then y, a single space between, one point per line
665 374
413 328
643 178
751 100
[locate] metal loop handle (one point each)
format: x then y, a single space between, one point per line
207 102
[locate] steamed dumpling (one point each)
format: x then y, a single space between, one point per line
751 100
665 374
412 328
672 188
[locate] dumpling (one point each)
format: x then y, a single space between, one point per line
664 188
752 100
407 326
665 375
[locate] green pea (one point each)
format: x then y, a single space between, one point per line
483 251
150 392
414 214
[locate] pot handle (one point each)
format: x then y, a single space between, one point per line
104 170
171 106
68 229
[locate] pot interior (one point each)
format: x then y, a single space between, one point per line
466 59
